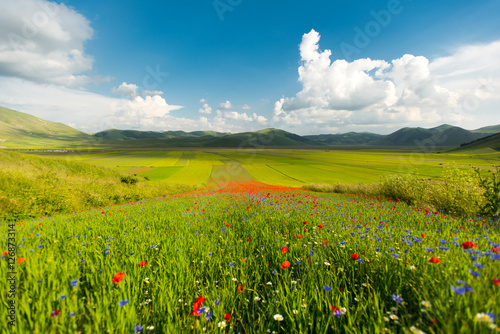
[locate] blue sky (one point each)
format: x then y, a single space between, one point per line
239 65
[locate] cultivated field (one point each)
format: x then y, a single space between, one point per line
293 168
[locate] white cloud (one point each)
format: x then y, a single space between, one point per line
132 91
234 115
406 91
206 109
225 105
126 89
43 41
203 100
246 107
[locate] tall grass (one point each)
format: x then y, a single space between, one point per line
458 192
32 186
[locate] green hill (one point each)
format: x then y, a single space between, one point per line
488 129
491 142
21 130
441 136
350 138
114 134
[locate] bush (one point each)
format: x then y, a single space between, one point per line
491 187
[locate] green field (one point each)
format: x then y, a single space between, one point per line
284 167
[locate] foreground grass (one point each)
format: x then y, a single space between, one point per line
34 186
228 247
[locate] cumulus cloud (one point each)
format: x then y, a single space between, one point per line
368 92
234 115
43 41
132 91
246 107
206 109
225 105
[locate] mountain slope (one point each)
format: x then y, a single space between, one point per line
444 135
350 138
490 142
19 129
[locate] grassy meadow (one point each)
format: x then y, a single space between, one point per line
249 251
253 258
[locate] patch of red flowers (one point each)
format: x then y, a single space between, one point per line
241 288
143 263
320 226
434 260
496 281
118 277
354 256
284 249
227 316
494 249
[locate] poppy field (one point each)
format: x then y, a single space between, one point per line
253 258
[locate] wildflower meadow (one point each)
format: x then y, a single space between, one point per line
253 258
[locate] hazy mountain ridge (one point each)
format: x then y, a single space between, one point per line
18 130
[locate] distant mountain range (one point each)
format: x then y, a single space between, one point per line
21 130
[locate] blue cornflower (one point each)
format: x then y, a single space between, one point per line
474 273
430 250
359 260
473 257
444 248
71 314
231 264
397 298
216 302
138 328
209 315
153 246
62 297
395 255
274 272
459 290
123 302
74 283
327 288
478 265
492 316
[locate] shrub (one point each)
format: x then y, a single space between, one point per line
491 187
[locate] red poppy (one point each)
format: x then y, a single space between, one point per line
494 249
228 225
118 277
320 226
227 316
334 308
299 236
324 242
468 244
496 281
284 249
354 256
285 264
305 230
143 263
20 260
241 288
55 313
305 222
434 260
5 253
423 235
248 239
197 305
